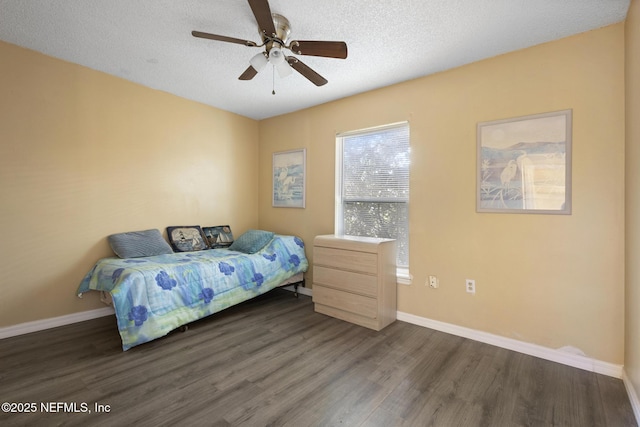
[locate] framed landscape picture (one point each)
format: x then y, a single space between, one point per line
524 164
289 179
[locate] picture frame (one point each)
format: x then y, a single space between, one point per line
524 164
187 238
289 178
219 236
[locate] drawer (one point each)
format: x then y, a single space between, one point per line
357 304
348 317
363 284
362 262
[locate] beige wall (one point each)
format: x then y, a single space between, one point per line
84 155
550 280
632 225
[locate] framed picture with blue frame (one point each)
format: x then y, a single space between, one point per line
289 169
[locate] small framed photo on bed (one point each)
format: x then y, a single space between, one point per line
187 238
289 179
219 236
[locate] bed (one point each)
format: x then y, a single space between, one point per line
154 295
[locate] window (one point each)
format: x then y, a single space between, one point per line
372 186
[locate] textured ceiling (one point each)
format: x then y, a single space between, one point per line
149 41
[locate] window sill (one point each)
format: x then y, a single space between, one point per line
403 277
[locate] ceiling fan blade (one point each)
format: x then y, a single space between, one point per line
222 38
262 12
248 74
307 72
319 48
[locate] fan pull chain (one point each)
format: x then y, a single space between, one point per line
273 92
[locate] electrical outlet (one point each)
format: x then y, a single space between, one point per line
471 286
433 282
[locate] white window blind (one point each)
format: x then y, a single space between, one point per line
373 185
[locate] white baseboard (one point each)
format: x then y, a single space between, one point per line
54 322
546 353
633 396
40 325
554 355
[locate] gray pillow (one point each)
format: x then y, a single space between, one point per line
136 244
251 241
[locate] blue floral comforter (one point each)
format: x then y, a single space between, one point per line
155 295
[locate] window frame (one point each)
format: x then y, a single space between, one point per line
403 275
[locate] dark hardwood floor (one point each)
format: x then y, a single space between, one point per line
273 361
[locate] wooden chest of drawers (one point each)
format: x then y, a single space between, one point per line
354 279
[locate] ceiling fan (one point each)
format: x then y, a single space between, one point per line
274 30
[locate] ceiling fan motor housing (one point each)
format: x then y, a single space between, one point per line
283 29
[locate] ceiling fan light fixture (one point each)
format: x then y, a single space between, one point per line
284 69
276 57
259 61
